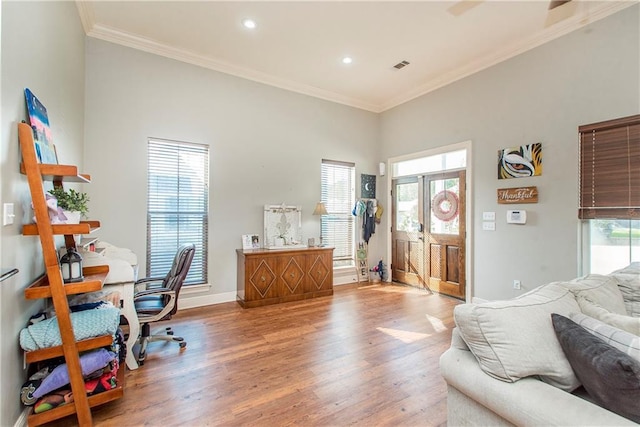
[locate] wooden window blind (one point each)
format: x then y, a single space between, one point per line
177 206
338 194
610 169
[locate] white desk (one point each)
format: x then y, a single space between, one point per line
129 312
123 272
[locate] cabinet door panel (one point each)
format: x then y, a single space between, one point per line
261 278
320 268
292 275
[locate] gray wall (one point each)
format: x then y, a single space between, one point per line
43 49
543 95
266 146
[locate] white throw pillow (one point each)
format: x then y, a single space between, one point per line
622 340
629 285
602 290
514 339
595 310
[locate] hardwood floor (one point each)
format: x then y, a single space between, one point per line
367 355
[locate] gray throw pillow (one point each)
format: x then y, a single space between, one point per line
611 377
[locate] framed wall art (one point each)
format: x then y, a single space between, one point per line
520 162
367 186
282 226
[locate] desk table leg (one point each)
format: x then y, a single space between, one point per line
129 311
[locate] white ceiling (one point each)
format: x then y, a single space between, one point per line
299 45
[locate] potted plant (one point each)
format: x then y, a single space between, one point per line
72 203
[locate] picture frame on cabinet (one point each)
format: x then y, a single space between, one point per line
250 241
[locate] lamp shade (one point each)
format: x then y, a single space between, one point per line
320 209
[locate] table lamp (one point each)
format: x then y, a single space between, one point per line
320 210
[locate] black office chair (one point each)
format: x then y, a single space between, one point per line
156 299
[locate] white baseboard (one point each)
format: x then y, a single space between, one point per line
345 276
201 301
22 419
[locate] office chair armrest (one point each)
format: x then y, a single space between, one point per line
149 283
154 291
150 279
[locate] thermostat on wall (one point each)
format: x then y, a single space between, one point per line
516 217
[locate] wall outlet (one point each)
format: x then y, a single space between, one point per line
7 215
516 284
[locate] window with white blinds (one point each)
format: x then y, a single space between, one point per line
177 206
338 195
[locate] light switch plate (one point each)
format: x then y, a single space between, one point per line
489 226
488 216
7 214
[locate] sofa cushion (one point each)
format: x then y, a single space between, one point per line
593 309
514 339
622 340
611 377
629 285
457 341
600 289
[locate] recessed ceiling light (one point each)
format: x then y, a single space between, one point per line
347 60
249 23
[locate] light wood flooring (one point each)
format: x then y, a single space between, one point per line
368 355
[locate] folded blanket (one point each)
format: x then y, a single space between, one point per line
86 324
37 386
107 381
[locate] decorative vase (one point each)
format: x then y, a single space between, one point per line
73 217
278 241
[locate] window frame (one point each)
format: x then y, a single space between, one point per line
609 178
180 194
339 211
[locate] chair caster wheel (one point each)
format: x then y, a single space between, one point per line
169 332
183 344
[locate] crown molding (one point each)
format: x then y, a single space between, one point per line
564 27
86 15
140 43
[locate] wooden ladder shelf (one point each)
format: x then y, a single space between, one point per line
51 284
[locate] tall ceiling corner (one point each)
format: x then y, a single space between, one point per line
85 10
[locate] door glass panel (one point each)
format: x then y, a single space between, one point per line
407 207
445 206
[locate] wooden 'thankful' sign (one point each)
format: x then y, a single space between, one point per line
517 195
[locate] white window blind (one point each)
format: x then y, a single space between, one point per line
177 206
338 194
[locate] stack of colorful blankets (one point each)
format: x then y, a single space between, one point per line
49 386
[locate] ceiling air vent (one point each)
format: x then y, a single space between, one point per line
400 65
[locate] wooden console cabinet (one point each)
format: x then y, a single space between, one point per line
271 276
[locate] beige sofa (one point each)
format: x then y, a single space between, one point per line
506 365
